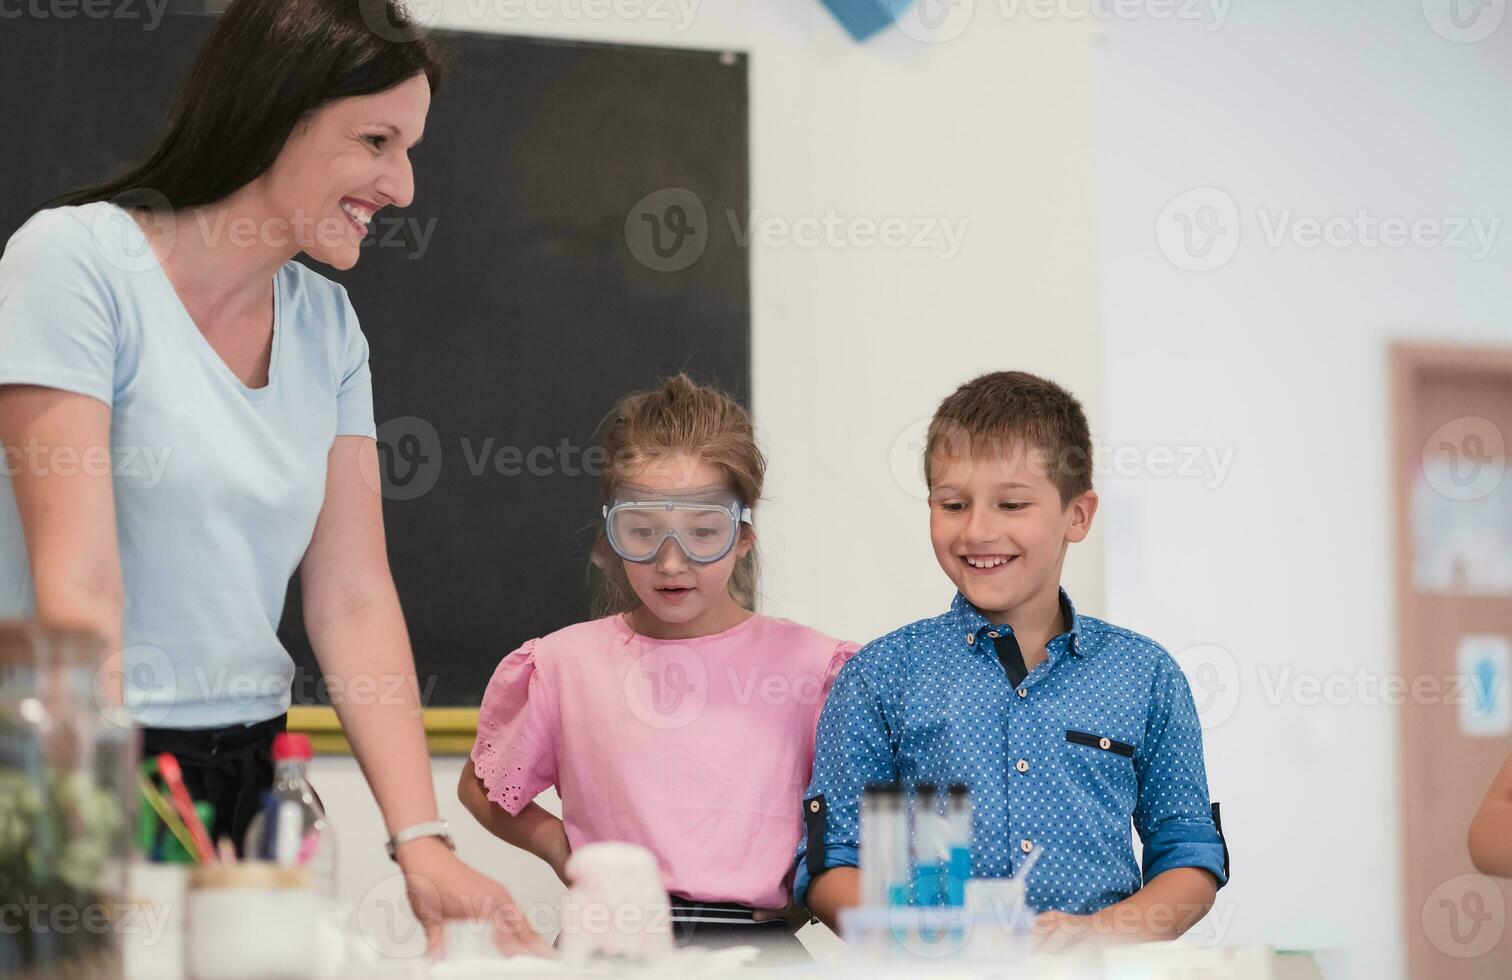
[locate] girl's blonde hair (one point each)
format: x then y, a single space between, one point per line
680 417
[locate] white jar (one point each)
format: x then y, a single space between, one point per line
152 930
251 921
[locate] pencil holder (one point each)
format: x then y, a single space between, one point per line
251 921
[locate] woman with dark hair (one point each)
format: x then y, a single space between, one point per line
187 418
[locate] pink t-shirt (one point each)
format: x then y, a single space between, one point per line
698 750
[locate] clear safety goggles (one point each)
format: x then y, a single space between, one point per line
705 524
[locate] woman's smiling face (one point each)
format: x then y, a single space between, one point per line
343 163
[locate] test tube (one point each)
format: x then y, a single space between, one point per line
884 846
957 824
931 846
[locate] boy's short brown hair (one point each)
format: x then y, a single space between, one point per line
993 414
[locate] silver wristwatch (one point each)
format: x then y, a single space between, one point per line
436 828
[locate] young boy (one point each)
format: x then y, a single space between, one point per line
1064 728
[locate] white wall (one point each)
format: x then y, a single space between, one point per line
1280 355
854 346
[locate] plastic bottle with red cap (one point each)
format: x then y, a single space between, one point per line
291 829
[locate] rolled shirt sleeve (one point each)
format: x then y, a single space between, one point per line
1173 815
853 749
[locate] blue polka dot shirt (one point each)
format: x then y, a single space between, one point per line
1100 736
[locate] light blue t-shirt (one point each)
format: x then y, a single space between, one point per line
217 485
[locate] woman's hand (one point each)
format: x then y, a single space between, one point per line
441 887
356 627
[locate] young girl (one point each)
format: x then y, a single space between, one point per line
682 721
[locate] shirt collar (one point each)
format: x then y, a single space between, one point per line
972 623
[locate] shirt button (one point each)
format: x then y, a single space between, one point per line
813 806
1022 765
1023 693
993 634
971 639
1026 846
1104 743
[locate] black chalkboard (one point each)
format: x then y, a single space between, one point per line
541 272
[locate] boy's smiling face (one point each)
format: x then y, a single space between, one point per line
999 528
